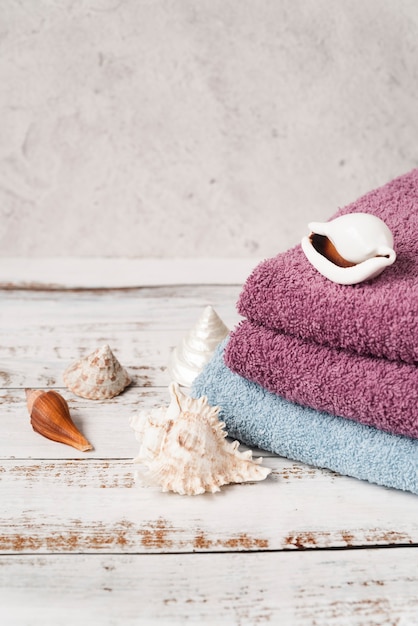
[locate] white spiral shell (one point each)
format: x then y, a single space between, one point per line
197 347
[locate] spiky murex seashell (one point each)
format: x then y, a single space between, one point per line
97 376
351 248
184 449
197 347
50 417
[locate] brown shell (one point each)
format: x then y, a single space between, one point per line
50 417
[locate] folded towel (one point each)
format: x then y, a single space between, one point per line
378 317
373 391
265 420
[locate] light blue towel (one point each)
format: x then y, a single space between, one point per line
267 421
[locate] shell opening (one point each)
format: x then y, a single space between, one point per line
324 246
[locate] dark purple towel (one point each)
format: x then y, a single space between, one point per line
373 391
379 317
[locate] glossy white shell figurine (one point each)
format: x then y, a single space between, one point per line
351 248
184 449
197 347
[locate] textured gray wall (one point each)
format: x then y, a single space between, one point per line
197 127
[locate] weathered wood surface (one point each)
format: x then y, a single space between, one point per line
42 332
96 506
81 540
104 423
313 588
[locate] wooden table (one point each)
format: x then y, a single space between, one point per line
83 543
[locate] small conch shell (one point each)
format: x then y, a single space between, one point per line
185 451
351 248
97 376
197 347
50 417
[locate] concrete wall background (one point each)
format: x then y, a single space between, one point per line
197 127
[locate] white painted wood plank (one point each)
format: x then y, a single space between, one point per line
145 355
42 333
104 423
158 308
338 588
94 506
94 273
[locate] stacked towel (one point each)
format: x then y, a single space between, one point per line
311 350
373 391
378 317
267 421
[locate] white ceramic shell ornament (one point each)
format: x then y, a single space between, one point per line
351 248
184 449
197 347
97 376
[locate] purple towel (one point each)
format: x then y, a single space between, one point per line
378 317
370 390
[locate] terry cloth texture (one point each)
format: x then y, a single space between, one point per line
370 390
377 317
265 420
